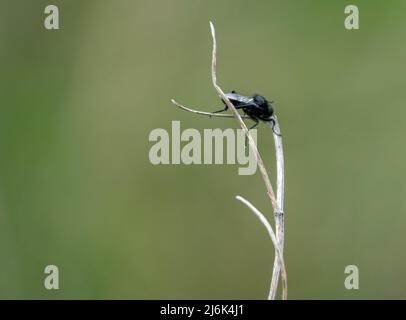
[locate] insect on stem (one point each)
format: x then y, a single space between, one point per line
256 108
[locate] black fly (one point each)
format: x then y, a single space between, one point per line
256 107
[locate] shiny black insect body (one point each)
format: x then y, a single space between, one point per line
256 107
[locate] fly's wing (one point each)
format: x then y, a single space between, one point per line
238 99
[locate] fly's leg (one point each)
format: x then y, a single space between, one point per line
273 127
222 110
255 124
241 106
252 127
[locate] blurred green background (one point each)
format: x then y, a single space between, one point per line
77 189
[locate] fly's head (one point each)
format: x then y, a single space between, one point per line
266 106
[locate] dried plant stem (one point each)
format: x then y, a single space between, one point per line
252 144
278 252
277 205
278 215
277 201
